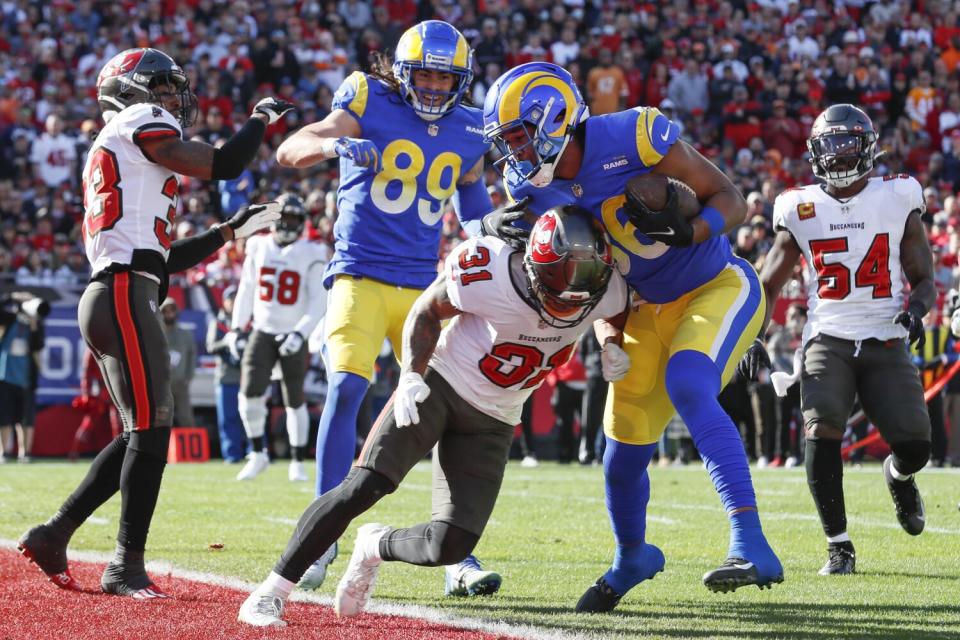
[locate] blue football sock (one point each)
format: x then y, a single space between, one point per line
337 433
628 492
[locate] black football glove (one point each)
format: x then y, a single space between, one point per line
252 218
273 108
913 323
753 360
499 223
666 225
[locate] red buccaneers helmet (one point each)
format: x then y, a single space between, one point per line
568 263
132 77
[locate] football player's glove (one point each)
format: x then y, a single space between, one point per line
666 225
252 218
499 223
614 362
411 390
913 323
755 359
234 345
290 343
273 108
363 152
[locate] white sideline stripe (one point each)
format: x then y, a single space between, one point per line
276 520
436 616
97 520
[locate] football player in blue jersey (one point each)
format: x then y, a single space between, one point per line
703 305
406 144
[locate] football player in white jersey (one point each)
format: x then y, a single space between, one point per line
131 196
281 293
860 236
515 317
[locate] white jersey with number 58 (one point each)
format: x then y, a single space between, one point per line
852 250
498 351
281 287
129 200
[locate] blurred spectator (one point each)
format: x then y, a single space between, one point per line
689 90
606 85
53 154
233 444
783 133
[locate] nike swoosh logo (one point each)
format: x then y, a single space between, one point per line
666 134
671 232
745 566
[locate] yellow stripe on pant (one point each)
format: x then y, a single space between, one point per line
360 313
720 319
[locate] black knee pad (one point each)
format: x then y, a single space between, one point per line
151 442
910 456
449 544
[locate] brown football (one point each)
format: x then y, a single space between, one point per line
651 190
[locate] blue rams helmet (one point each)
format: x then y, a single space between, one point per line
542 101
438 46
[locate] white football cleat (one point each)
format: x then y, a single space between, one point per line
262 610
257 463
297 473
468 578
529 462
316 573
357 582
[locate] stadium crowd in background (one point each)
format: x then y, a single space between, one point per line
744 81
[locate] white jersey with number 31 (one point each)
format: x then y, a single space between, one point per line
498 351
852 249
129 200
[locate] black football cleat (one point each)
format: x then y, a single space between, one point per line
131 581
842 559
600 598
47 548
906 499
737 572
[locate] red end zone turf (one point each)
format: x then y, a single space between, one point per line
36 609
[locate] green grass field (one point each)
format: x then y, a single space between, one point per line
550 539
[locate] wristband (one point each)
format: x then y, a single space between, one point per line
714 220
329 148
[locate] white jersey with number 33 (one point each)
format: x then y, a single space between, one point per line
498 351
129 200
852 250
280 287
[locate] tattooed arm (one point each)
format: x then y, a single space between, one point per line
917 261
422 329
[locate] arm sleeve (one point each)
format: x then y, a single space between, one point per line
191 251
317 296
471 202
214 343
232 158
243 303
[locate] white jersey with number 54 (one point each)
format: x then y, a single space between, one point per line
852 250
281 287
129 200
498 351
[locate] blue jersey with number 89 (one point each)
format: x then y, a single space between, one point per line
388 225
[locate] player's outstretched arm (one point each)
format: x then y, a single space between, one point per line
421 331
316 142
191 251
917 261
198 159
723 204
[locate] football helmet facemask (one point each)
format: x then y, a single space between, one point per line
438 46
568 263
136 76
288 228
842 145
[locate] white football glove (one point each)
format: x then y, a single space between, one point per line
273 108
410 390
290 343
955 323
252 218
614 362
231 340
